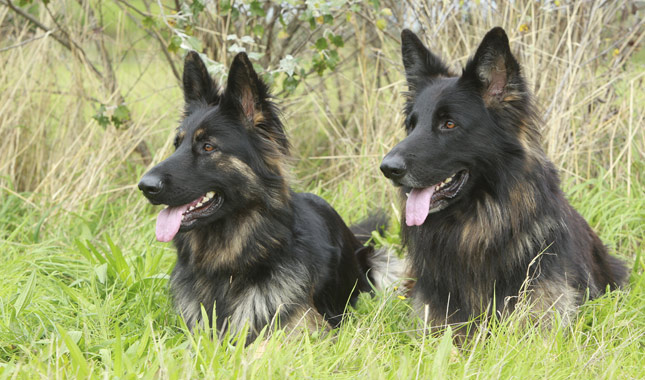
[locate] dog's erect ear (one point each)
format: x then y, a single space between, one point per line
248 96
244 90
199 87
495 71
420 64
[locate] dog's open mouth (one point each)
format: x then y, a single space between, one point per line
171 219
423 201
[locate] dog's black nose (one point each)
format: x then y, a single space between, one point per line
150 184
393 167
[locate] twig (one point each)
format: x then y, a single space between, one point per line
67 44
25 42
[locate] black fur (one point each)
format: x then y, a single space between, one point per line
259 251
507 227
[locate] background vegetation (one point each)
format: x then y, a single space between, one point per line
89 97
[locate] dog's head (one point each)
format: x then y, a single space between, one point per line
229 151
458 127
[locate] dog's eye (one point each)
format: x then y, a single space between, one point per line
448 124
209 147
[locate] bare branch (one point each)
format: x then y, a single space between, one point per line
68 44
25 42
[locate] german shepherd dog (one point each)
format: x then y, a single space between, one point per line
485 220
249 249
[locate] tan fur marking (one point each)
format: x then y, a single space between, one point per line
254 306
543 299
306 319
523 204
512 98
556 296
485 222
240 166
277 161
258 117
214 253
234 247
199 133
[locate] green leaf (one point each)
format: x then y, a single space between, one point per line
321 44
328 19
226 5
194 43
256 9
196 7
175 43
120 265
75 353
319 65
290 83
100 117
336 40
442 355
149 22
117 349
258 30
121 115
332 59
101 273
26 294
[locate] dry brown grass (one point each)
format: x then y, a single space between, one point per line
578 59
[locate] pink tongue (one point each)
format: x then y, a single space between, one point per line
169 221
417 206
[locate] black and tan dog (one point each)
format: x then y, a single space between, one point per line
250 250
485 219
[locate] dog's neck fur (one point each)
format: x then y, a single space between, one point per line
235 243
463 245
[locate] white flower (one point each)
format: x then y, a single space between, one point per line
247 40
235 48
288 64
255 55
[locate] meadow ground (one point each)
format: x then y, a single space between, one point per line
84 283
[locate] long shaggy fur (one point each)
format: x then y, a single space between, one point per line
509 230
267 253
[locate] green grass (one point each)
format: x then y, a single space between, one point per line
85 285
87 295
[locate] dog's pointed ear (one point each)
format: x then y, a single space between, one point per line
248 96
419 62
245 91
199 87
495 71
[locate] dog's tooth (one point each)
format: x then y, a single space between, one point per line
447 180
199 204
191 208
210 194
